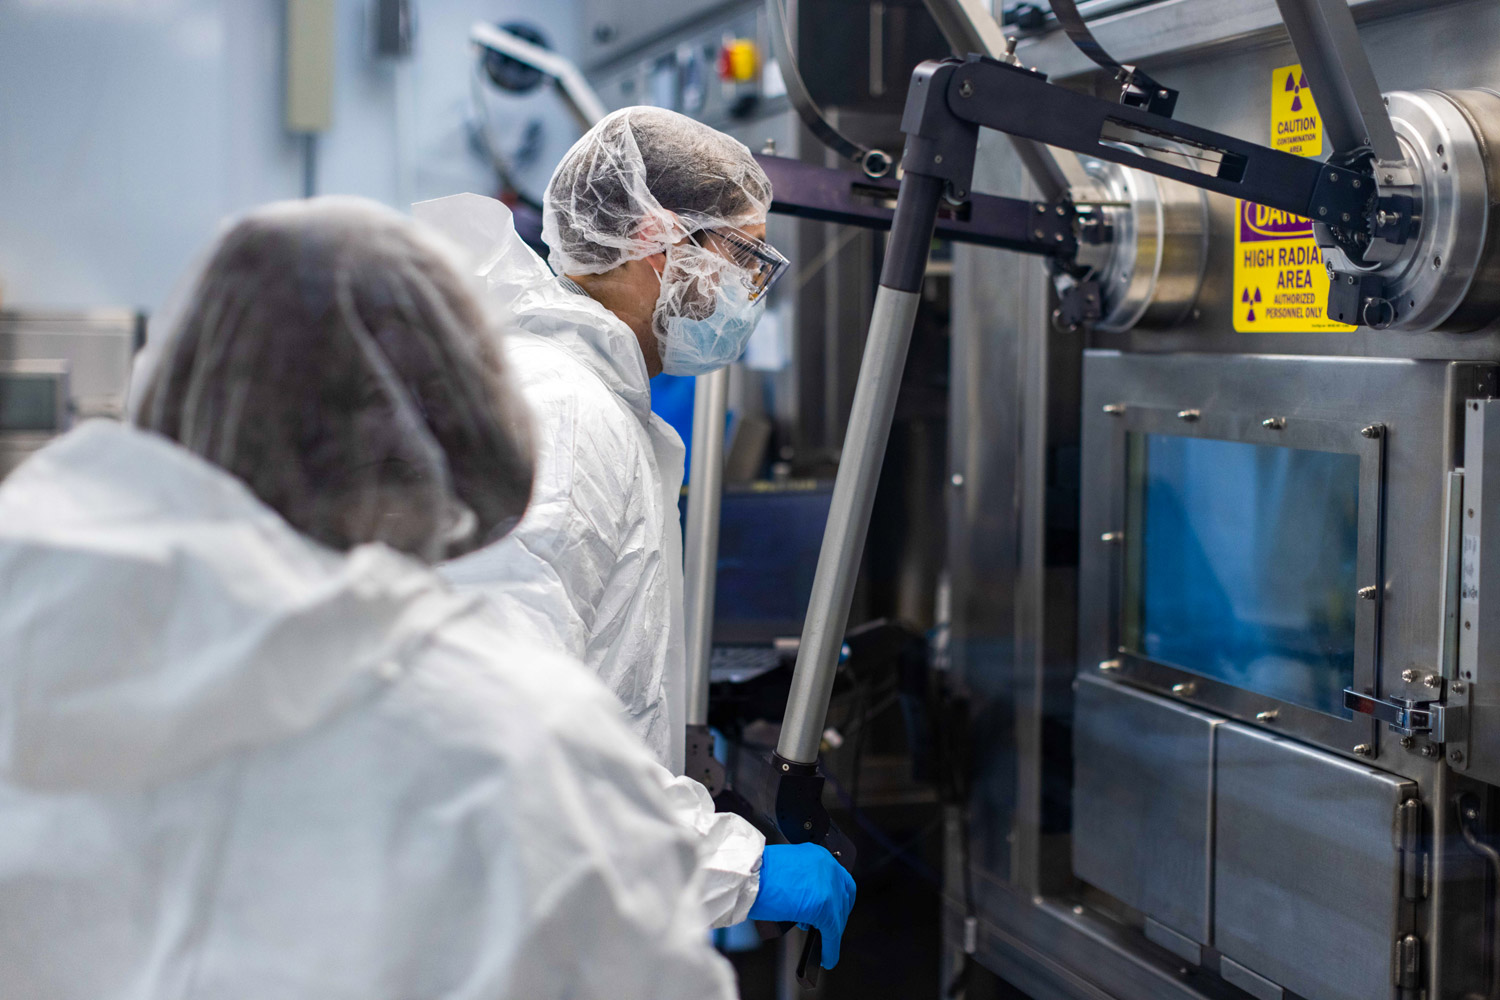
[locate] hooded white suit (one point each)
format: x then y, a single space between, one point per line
236 764
596 563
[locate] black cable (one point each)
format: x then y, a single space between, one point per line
934 880
862 717
882 838
874 162
1066 12
1468 828
955 790
905 846
1137 88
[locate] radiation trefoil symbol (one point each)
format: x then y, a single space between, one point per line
1246 298
1295 86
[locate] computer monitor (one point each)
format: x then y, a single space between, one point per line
769 540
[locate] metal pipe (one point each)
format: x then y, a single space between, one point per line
1165 28
875 162
1339 74
701 545
581 99
848 521
859 468
968 26
1469 815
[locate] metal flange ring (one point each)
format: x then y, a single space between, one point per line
1151 271
1445 277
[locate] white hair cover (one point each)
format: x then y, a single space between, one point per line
332 355
645 181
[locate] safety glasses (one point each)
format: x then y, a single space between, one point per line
763 262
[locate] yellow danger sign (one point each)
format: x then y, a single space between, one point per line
1280 283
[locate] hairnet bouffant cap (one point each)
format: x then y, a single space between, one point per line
332 356
641 180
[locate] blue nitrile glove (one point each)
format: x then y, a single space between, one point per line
803 883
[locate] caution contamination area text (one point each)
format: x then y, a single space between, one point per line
1280 281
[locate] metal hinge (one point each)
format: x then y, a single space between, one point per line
1406 962
1413 860
1405 716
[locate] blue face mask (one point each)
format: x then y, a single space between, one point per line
693 346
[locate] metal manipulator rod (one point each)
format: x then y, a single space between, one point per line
1363 206
960 97
874 406
1341 78
947 103
859 469
938 162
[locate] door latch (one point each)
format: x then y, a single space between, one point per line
1405 716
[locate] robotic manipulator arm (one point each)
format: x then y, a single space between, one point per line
1362 200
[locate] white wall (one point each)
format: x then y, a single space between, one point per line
130 128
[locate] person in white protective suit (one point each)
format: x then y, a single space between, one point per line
656 227
251 746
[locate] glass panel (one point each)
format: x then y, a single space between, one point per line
1241 565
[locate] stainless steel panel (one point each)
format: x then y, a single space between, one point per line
700 541
1177 944
1417 403
1259 987
1478 622
90 353
47 412
1306 874
1014 380
1143 803
1181 26
985 422
1052 952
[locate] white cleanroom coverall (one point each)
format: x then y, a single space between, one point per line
234 763
596 563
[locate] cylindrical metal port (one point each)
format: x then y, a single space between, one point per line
1481 303
1151 268
1446 276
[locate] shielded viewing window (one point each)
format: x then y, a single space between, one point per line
1241 564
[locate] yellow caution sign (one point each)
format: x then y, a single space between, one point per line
1280 282
1295 125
